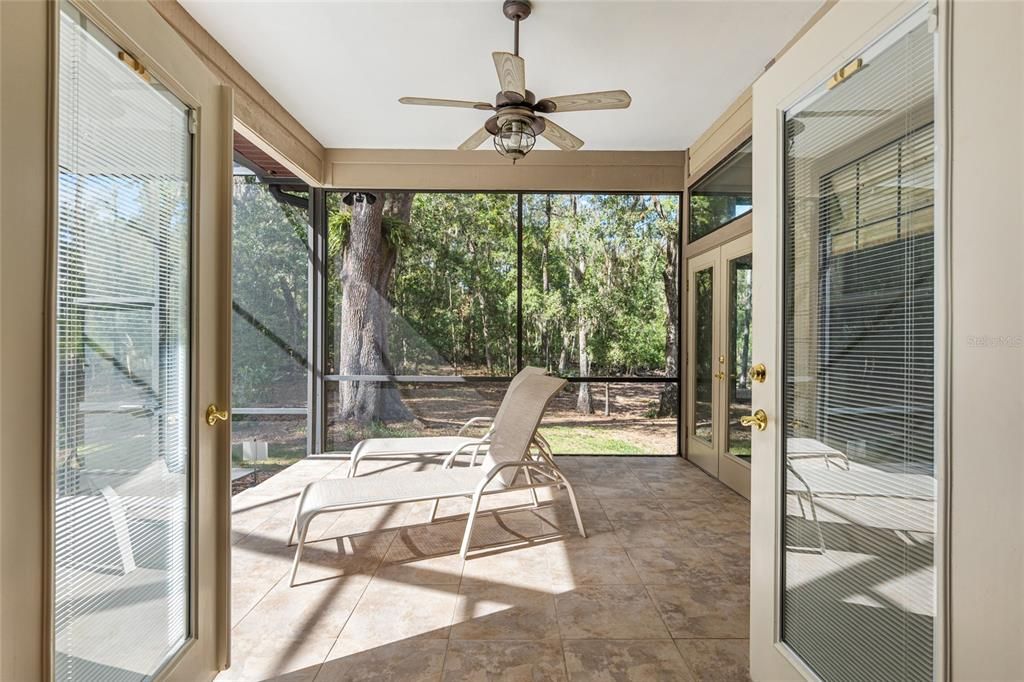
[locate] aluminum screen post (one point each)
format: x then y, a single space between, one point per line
316 319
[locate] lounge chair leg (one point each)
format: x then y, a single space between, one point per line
533 491
575 507
357 452
433 509
298 554
295 519
469 526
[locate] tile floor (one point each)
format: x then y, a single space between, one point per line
657 591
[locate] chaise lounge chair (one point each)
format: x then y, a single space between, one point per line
508 455
435 445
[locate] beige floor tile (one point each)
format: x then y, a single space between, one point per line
651 533
313 610
558 518
625 660
678 565
391 612
410 660
277 659
343 556
504 662
608 612
254 572
717 660
500 612
572 566
705 611
615 485
530 579
632 510
523 565
426 554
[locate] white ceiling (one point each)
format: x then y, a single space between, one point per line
339 67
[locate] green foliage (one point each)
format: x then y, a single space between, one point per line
595 262
603 258
269 276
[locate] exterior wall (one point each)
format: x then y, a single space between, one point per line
987 341
724 135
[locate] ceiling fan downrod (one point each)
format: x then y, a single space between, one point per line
516 10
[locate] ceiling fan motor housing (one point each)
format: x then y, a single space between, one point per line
516 10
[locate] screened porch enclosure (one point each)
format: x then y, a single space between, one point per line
359 314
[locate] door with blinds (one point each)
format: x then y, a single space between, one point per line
719 361
135 479
847 531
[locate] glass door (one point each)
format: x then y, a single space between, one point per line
135 336
719 351
737 266
850 438
704 365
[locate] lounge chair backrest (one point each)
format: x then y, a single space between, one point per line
514 383
515 426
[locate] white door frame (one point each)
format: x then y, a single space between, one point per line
732 471
698 451
839 36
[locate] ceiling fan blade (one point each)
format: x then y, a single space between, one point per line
586 101
431 102
561 137
511 74
475 140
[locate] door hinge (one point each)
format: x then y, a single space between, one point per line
193 122
845 72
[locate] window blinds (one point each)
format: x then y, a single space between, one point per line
122 458
859 527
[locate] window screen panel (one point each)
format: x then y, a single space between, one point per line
859 585
122 424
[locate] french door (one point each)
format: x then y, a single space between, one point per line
720 305
847 463
139 488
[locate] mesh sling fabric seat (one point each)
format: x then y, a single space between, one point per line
436 445
508 455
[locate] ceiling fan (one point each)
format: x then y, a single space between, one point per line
516 124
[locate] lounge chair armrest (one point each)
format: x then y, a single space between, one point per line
476 444
475 421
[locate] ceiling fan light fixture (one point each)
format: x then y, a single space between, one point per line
515 138
359 197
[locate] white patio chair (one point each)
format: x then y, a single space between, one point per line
508 455
435 445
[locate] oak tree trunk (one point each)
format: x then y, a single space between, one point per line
368 264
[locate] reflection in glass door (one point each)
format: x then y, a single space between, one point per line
741 271
859 588
703 365
123 457
704 357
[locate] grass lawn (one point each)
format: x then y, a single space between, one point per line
584 440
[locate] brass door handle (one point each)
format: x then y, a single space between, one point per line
213 415
758 419
758 373
719 375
